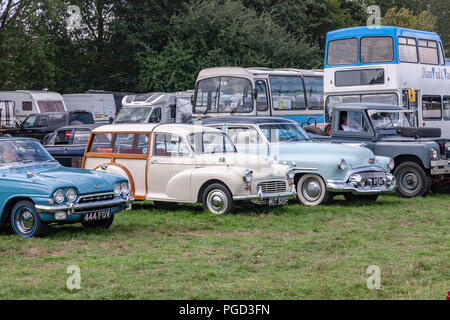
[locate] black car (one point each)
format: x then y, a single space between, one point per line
39 125
67 144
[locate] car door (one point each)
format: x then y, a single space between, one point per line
170 168
352 127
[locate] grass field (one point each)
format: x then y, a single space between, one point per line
294 252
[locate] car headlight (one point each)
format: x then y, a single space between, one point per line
117 189
71 195
59 196
434 154
124 187
342 165
247 176
391 164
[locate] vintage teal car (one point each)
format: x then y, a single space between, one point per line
35 191
321 170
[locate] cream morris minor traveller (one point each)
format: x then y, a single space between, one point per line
170 163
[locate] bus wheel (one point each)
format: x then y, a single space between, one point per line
412 180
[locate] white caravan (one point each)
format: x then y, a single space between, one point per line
25 102
101 105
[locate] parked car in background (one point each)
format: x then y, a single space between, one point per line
26 102
421 156
39 125
101 105
67 144
170 163
156 108
35 191
321 170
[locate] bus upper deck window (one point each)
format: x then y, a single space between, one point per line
377 49
428 52
407 50
344 51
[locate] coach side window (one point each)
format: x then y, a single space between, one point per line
431 108
428 52
407 50
446 108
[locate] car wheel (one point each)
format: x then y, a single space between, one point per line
217 199
366 197
412 180
107 222
25 220
311 190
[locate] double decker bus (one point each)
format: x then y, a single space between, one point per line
389 65
291 93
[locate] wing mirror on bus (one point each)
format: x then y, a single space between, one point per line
255 93
192 99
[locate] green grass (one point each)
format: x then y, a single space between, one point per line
293 252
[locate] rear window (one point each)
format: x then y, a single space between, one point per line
343 51
81 118
377 49
120 143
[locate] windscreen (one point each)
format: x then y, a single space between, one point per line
133 114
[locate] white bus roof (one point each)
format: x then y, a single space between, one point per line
254 71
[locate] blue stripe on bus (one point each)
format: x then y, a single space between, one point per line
301 119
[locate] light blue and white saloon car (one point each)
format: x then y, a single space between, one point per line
35 191
321 170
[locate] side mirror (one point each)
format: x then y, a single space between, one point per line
255 93
192 99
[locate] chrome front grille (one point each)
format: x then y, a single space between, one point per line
272 186
372 179
96 197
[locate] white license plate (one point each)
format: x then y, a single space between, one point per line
280 201
97 215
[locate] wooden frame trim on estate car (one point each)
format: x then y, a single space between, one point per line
114 156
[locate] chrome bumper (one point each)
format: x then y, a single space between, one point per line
70 208
353 183
261 196
440 167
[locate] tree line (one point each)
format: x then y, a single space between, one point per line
161 45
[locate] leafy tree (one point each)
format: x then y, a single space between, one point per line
220 33
405 18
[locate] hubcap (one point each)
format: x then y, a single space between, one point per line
217 201
311 189
410 181
25 220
